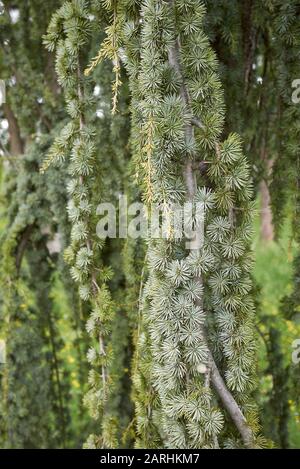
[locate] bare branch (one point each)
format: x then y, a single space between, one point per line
25 237
231 406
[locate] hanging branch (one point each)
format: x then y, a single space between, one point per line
226 397
110 50
83 254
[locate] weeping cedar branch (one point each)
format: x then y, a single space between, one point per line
219 385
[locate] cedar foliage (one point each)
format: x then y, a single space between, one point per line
167 102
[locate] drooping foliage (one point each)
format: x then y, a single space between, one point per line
187 306
131 342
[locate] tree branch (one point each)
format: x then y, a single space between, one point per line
219 385
231 405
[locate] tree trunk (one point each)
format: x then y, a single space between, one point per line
16 144
266 227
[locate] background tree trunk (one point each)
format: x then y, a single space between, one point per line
266 227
